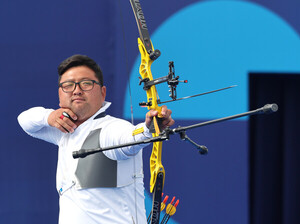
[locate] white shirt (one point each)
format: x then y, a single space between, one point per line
118 205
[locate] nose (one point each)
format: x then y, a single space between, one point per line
77 90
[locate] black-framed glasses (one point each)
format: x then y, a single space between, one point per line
84 85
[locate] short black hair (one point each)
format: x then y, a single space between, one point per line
80 60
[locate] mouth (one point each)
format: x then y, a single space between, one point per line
78 100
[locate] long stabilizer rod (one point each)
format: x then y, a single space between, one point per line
165 135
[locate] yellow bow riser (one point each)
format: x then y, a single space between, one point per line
155 159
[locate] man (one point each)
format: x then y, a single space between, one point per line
105 187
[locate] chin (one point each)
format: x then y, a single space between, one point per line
82 111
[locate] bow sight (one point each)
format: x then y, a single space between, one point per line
172 82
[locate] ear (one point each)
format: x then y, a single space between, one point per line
59 95
103 92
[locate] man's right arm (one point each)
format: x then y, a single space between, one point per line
35 123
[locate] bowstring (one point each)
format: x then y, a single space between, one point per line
130 97
126 60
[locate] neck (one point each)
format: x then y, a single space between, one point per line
82 116
79 122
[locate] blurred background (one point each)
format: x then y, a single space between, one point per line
251 173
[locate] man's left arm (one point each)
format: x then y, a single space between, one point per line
121 132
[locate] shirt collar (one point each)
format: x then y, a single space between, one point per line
105 105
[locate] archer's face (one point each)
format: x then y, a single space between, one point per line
83 103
